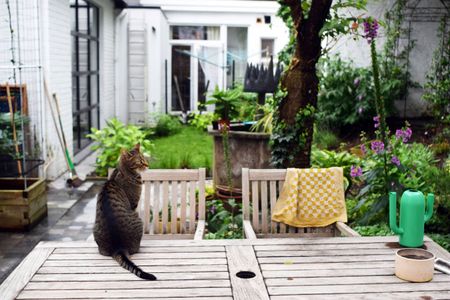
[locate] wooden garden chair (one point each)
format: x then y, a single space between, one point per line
173 203
261 188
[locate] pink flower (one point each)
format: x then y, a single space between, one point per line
355 171
405 135
363 149
370 29
377 121
395 160
377 146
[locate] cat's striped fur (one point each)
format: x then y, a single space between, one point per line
118 229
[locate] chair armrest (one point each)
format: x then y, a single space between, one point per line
248 230
200 230
346 230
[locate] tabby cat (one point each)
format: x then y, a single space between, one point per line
118 229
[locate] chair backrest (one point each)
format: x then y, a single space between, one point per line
261 188
170 202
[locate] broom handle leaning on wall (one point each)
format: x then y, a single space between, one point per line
66 149
47 95
13 125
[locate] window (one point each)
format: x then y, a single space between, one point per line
195 32
236 55
85 71
267 46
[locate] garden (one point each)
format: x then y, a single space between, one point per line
352 123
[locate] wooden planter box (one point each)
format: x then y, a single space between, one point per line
21 209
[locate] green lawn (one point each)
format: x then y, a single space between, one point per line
190 148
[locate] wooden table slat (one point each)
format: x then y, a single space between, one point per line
129 276
141 284
134 293
71 256
242 258
119 269
139 262
359 288
188 249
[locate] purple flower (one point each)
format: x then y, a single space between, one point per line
370 29
356 82
360 97
405 135
363 149
377 121
360 110
212 210
355 171
377 146
395 160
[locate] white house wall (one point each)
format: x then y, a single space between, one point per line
423 33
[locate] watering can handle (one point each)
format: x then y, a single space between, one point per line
430 205
393 213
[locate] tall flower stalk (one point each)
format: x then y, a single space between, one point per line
370 33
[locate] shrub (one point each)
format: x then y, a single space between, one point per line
324 138
222 224
201 120
167 125
112 139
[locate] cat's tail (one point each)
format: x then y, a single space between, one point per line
126 263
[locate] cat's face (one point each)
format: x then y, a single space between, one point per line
134 159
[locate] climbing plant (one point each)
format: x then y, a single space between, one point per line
437 87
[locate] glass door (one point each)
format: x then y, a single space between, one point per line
197 67
181 78
209 72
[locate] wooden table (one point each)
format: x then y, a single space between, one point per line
315 268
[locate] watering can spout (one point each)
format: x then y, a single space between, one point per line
393 213
429 209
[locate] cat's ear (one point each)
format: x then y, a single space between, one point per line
123 152
137 146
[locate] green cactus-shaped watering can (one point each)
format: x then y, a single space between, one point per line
412 216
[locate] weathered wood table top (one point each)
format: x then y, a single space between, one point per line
314 268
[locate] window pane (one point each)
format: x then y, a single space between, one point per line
94 55
82 19
84 92
94 89
74 94
94 118
82 55
76 147
237 53
267 47
93 16
84 129
195 32
181 78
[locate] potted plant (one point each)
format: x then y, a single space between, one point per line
235 149
23 200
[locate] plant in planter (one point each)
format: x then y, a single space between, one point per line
235 144
23 201
226 108
112 139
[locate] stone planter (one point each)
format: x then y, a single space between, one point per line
20 208
247 149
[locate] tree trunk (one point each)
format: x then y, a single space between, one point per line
300 80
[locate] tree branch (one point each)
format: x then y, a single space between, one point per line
317 16
296 12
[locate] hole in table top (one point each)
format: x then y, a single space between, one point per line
245 274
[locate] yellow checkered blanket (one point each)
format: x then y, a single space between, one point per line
311 198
